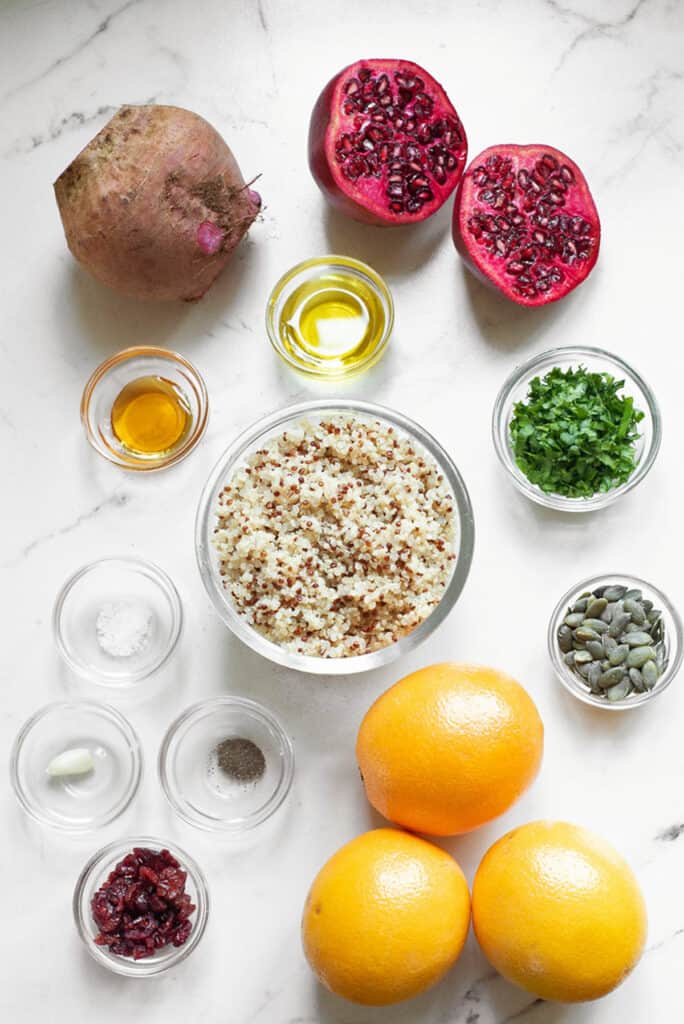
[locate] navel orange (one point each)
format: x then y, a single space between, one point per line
449 747
558 911
385 918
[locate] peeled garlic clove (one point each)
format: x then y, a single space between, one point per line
76 761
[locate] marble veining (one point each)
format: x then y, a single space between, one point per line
604 81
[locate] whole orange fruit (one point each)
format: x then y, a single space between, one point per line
385 918
449 748
558 911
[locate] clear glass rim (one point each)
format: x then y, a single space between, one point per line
138 565
145 968
566 677
227 825
136 761
199 425
356 663
377 283
500 429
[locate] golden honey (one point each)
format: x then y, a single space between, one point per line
151 416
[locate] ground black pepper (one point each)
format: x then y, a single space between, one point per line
240 759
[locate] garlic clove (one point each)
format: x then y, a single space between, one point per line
76 761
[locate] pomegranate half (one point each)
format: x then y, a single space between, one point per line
385 143
525 222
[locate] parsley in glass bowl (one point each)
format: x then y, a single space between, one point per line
575 428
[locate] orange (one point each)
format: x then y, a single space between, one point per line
449 748
385 918
558 911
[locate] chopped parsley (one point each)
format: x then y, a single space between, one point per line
575 434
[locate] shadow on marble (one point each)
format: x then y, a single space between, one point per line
501 322
395 252
471 993
111 322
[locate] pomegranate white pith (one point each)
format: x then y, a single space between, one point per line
385 142
525 222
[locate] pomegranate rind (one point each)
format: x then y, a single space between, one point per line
328 122
136 201
487 265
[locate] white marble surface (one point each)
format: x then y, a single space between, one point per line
603 80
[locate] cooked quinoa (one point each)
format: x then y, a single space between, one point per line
337 537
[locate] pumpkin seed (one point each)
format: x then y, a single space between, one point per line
581 605
584 670
638 656
647 606
618 624
593 676
611 677
595 648
650 674
637 639
614 593
596 624
637 680
618 654
596 607
573 620
609 642
620 691
607 613
582 657
584 633
636 611
633 595
569 658
565 638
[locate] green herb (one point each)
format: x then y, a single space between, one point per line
575 434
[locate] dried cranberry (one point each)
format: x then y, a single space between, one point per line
143 905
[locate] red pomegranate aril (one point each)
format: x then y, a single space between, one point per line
549 240
143 905
371 115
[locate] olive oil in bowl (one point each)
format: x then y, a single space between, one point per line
330 318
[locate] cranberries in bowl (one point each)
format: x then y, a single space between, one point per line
141 906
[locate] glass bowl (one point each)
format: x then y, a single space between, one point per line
76 803
117 621
112 376
340 356
197 787
96 871
250 441
672 639
515 389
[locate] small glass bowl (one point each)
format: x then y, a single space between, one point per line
112 376
95 873
252 439
515 389
76 803
197 788
335 365
672 637
101 591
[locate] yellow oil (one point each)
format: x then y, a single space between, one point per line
333 322
151 416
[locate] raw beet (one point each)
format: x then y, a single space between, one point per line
385 143
143 905
525 222
155 204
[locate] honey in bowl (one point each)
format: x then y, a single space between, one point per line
330 317
151 416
